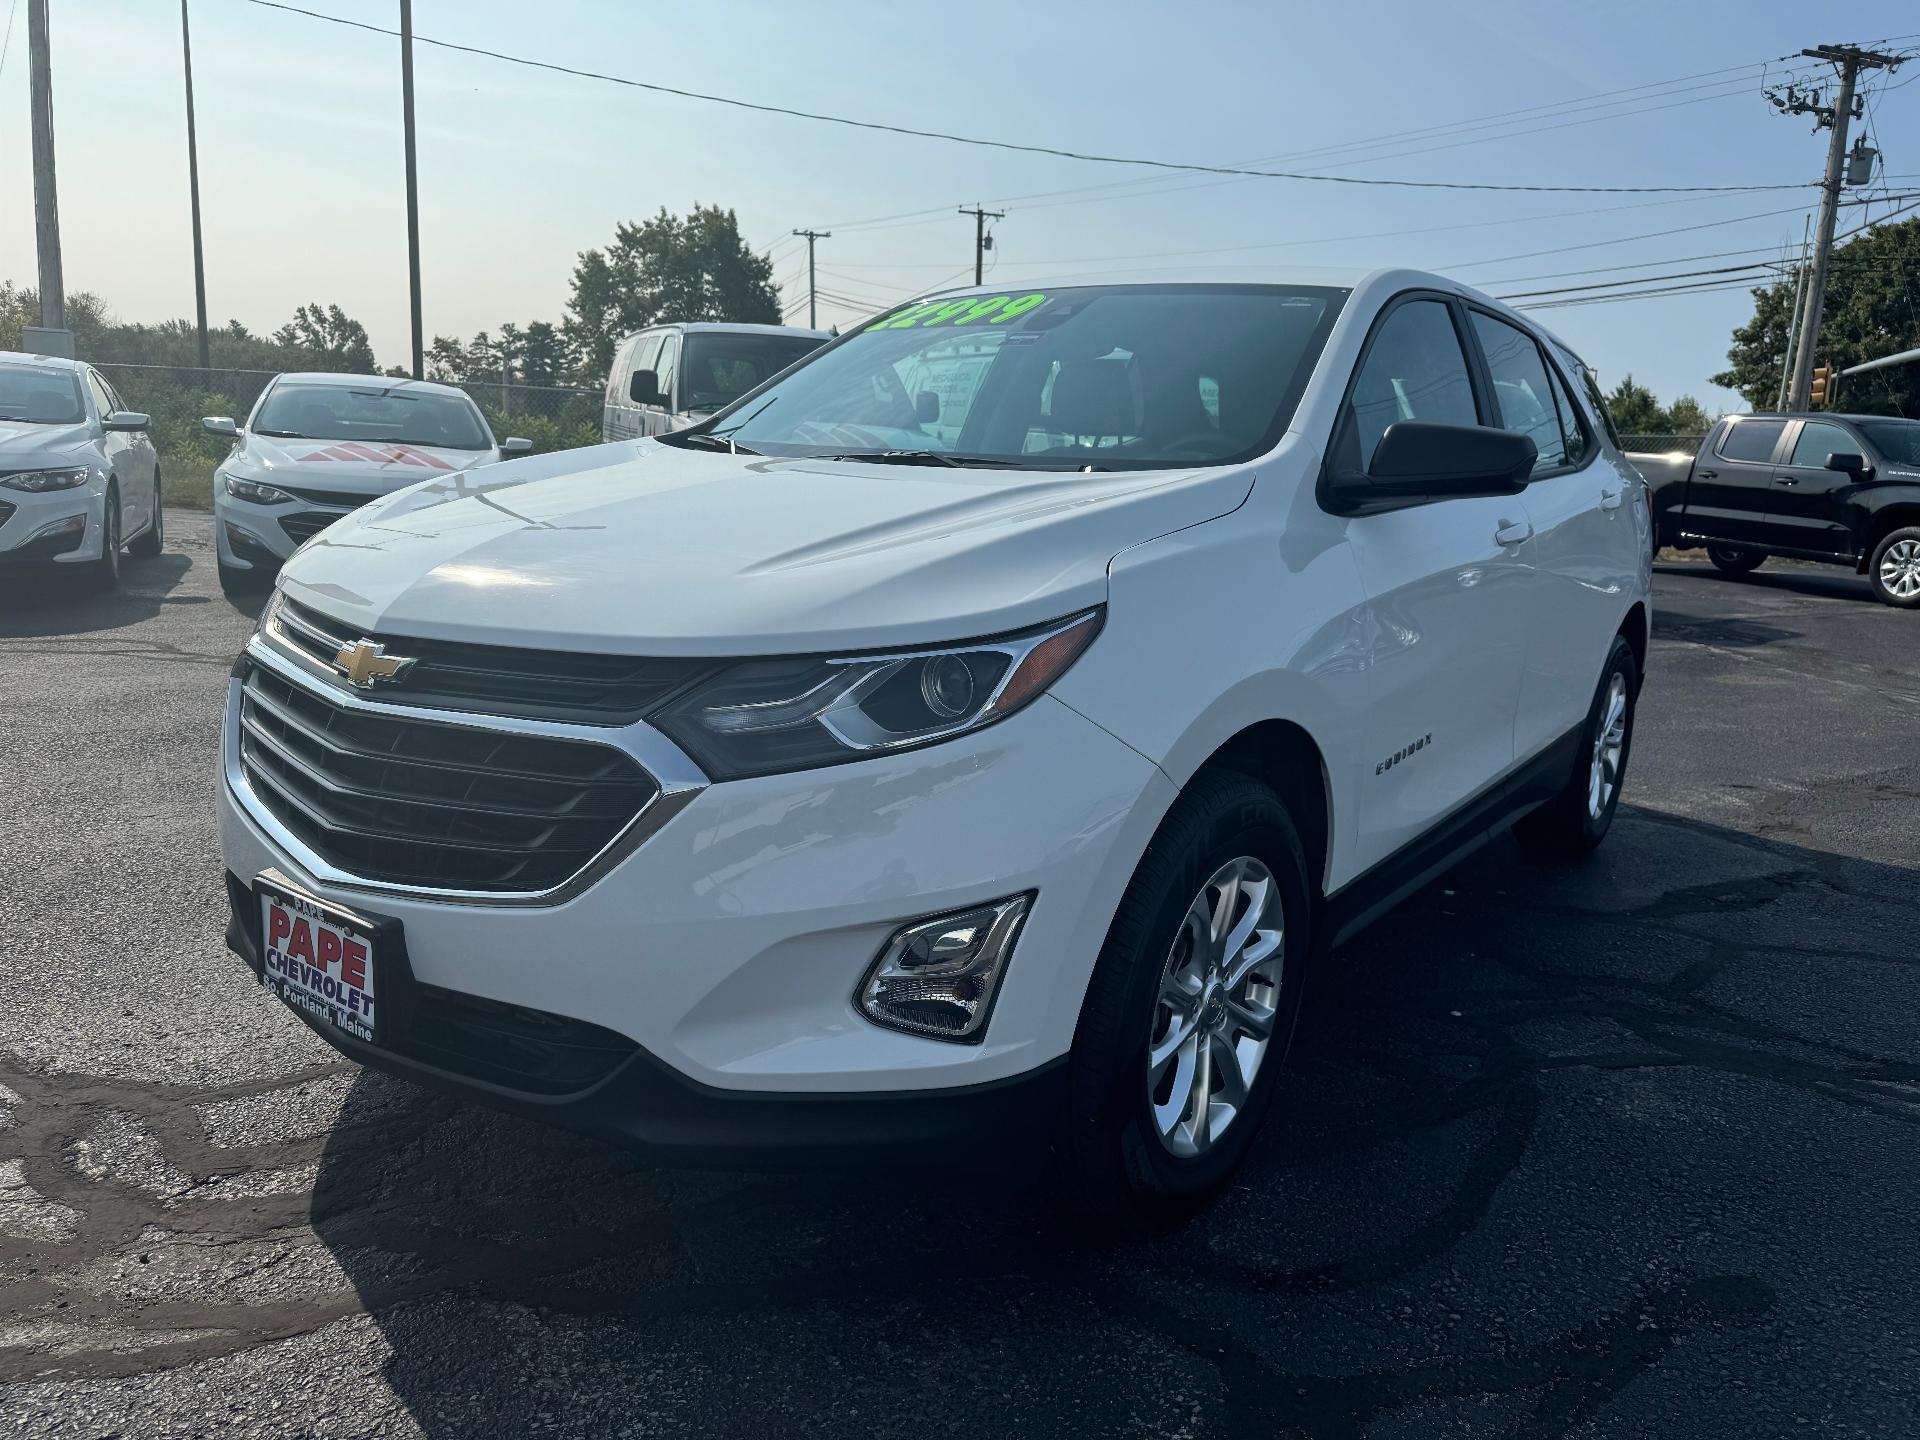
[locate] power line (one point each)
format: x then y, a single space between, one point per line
1018 147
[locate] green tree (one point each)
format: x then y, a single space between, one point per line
1687 416
1635 411
1872 309
335 340
695 267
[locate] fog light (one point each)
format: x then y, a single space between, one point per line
938 977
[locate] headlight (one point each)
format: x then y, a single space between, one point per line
256 492
764 716
37 481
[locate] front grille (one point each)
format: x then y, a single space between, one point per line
582 689
344 499
307 524
510 1045
6 511
424 804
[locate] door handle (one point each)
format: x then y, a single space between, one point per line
1610 499
1708 474
1786 480
1512 532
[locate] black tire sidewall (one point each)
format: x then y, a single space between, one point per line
1619 661
1887 542
1730 561
105 572
1118 1161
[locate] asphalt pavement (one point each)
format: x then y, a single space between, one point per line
1627 1149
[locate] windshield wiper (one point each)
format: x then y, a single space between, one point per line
924 457
285 434
707 440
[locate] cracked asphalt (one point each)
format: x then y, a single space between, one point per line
1628 1149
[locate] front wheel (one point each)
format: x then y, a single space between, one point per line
1729 561
104 574
1894 570
1190 1011
1576 820
154 540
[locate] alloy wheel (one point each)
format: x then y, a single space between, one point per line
1900 569
1214 1017
1609 746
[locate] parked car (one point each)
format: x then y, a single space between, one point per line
1840 488
317 447
971 736
79 479
670 376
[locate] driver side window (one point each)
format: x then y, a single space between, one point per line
1415 370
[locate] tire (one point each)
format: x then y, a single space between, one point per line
243 586
1575 821
104 574
154 540
1894 570
1729 561
1125 1172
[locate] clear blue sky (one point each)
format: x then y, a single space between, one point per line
520 170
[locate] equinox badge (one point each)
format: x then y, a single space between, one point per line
366 664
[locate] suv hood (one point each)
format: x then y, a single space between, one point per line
644 548
24 446
346 467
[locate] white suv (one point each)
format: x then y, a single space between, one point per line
970 734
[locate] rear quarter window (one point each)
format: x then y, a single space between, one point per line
1751 440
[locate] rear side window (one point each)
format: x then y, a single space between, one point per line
1521 386
1415 370
1573 430
1751 440
1817 441
663 367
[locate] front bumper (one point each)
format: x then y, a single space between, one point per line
249 536
727 947
29 524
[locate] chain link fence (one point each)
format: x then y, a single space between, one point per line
1661 444
553 417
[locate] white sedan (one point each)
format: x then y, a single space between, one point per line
319 446
78 474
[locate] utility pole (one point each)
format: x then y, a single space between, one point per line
52 337
1793 324
413 182
193 188
813 319
1850 60
982 242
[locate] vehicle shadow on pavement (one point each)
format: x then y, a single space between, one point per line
1560 1141
35 604
1826 582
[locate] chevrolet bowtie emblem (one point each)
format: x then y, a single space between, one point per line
366 664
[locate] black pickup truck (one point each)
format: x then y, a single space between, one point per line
1839 488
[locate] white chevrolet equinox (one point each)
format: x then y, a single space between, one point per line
969 736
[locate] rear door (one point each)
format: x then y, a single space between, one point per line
1587 542
1731 489
1447 586
1812 506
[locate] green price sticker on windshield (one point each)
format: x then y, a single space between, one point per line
990 309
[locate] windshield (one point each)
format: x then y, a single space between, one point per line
1113 377
40 395
1897 440
394 415
717 369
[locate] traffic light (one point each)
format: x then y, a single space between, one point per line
1822 384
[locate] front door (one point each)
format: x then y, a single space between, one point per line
1731 490
1444 625
1811 504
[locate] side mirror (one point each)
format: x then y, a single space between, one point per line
644 388
220 425
1417 462
515 445
1850 462
127 420
926 408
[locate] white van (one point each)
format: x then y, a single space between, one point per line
667 377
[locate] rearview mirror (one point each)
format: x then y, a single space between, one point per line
515 445
220 425
1850 462
1417 462
644 388
926 408
127 420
